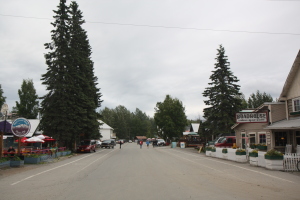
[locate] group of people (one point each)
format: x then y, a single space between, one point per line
147 142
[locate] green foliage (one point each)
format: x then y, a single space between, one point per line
32 155
257 99
222 97
128 124
69 107
170 117
16 158
28 107
240 150
4 159
273 152
2 98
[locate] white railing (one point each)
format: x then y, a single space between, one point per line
290 161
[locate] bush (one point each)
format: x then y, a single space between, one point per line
254 151
16 158
32 155
273 152
240 150
3 160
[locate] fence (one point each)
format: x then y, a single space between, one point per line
290 161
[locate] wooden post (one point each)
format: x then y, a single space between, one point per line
1 144
19 146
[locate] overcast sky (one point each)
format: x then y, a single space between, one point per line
146 49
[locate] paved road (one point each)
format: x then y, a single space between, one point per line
159 173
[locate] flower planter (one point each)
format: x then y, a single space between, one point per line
253 161
273 157
261 147
274 164
253 154
31 160
224 151
64 153
224 156
58 154
252 146
5 164
240 153
44 157
208 153
16 163
68 152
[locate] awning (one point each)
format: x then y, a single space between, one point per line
285 124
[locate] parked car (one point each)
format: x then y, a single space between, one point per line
225 141
130 141
98 143
161 142
87 146
108 144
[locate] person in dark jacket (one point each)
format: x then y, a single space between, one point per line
11 151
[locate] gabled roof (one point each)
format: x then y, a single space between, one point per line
104 125
195 127
285 124
290 78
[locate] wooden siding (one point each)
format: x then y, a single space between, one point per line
277 112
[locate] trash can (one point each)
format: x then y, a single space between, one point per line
174 144
182 145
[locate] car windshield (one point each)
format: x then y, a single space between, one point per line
107 141
160 140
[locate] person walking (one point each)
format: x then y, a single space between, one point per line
148 144
141 144
120 143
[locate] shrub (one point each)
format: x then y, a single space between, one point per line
240 150
254 151
273 152
3 160
16 158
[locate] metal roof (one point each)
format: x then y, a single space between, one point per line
104 125
285 124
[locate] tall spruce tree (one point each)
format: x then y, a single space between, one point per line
28 107
68 109
258 98
222 100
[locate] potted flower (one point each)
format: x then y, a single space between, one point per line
4 162
16 162
240 155
253 146
274 160
32 158
253 157
224 150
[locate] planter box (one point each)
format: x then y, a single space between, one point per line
16 163
64 153
240 158
224 151
29 160
240 153
253 161
58 154
273 157
253 146
224 156
5 164
261 147
213 150
213 154
208 153
68 152
44 157
274 164
253 154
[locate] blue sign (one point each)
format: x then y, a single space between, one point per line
20 127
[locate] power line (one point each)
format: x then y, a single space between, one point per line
167 27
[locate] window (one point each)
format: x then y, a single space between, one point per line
298 137
262 138
296 105
280 138
252 138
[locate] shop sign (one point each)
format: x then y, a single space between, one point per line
20 127
244 117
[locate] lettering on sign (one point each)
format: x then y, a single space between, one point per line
261 117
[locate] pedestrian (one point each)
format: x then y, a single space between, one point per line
148 144
11 151
141 144
120 143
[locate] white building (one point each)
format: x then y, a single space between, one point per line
106 131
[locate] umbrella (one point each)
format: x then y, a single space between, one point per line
34 140
46 138
22 139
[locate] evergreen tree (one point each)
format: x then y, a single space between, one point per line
87 82
28 107
170 117
255 100
220 116
69 107
2 98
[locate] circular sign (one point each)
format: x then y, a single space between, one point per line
20 127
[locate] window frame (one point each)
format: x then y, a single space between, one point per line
294 106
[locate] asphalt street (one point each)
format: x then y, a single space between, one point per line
159 173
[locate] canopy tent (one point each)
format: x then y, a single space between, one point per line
34 140
7 126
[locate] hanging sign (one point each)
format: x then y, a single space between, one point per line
20 127
250 117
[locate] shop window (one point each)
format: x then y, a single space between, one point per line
252 138
280 138
296 105
262 138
